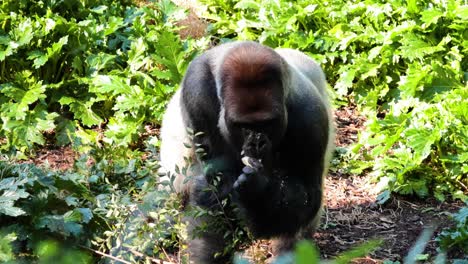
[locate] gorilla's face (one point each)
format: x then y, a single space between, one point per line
273 129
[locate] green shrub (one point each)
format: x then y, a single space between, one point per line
457 236
36 205
113 207
70 66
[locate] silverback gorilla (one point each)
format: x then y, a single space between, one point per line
266 129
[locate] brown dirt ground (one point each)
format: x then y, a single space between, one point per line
351 215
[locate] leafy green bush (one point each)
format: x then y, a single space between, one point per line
36 205
456 237
70 66
113 207
402 62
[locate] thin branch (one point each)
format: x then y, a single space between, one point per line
107 255
154 260
463 185
326 217
164 251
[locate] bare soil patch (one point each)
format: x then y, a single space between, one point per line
54 157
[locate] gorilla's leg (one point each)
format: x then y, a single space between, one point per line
207 246
287 243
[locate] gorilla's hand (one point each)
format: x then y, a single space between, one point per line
256 145
257 158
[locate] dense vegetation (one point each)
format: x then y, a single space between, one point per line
97 74
73 66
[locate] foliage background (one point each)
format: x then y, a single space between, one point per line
96 74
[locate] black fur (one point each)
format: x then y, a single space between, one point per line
282 194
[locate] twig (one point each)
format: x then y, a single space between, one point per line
106 255
165 253
463 185
326 217
154 260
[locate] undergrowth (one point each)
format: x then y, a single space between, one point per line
93 73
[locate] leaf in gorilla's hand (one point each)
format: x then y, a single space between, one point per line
246 161
252 162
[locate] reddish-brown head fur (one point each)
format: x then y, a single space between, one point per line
251 77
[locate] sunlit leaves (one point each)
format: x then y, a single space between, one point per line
414 47
23 114
82 110
9 194
6 249
75 66
430 16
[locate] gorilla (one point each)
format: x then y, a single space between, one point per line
266 129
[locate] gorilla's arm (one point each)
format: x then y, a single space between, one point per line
281 207
287 197
201 109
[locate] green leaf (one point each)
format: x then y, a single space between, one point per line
413 80
29 131
121 132
39 58
430 16
170 55
99 9
383 197
6 249
72 216
61 224
7 208
306 253
14 194
86 215
113 24
413 47
82 110
412 6
421 140
346 80
136 55
462 216
22 96
65 132
23 33
357 252
247 4
97 63
110 84
57 47
420 187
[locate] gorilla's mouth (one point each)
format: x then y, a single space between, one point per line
256 144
